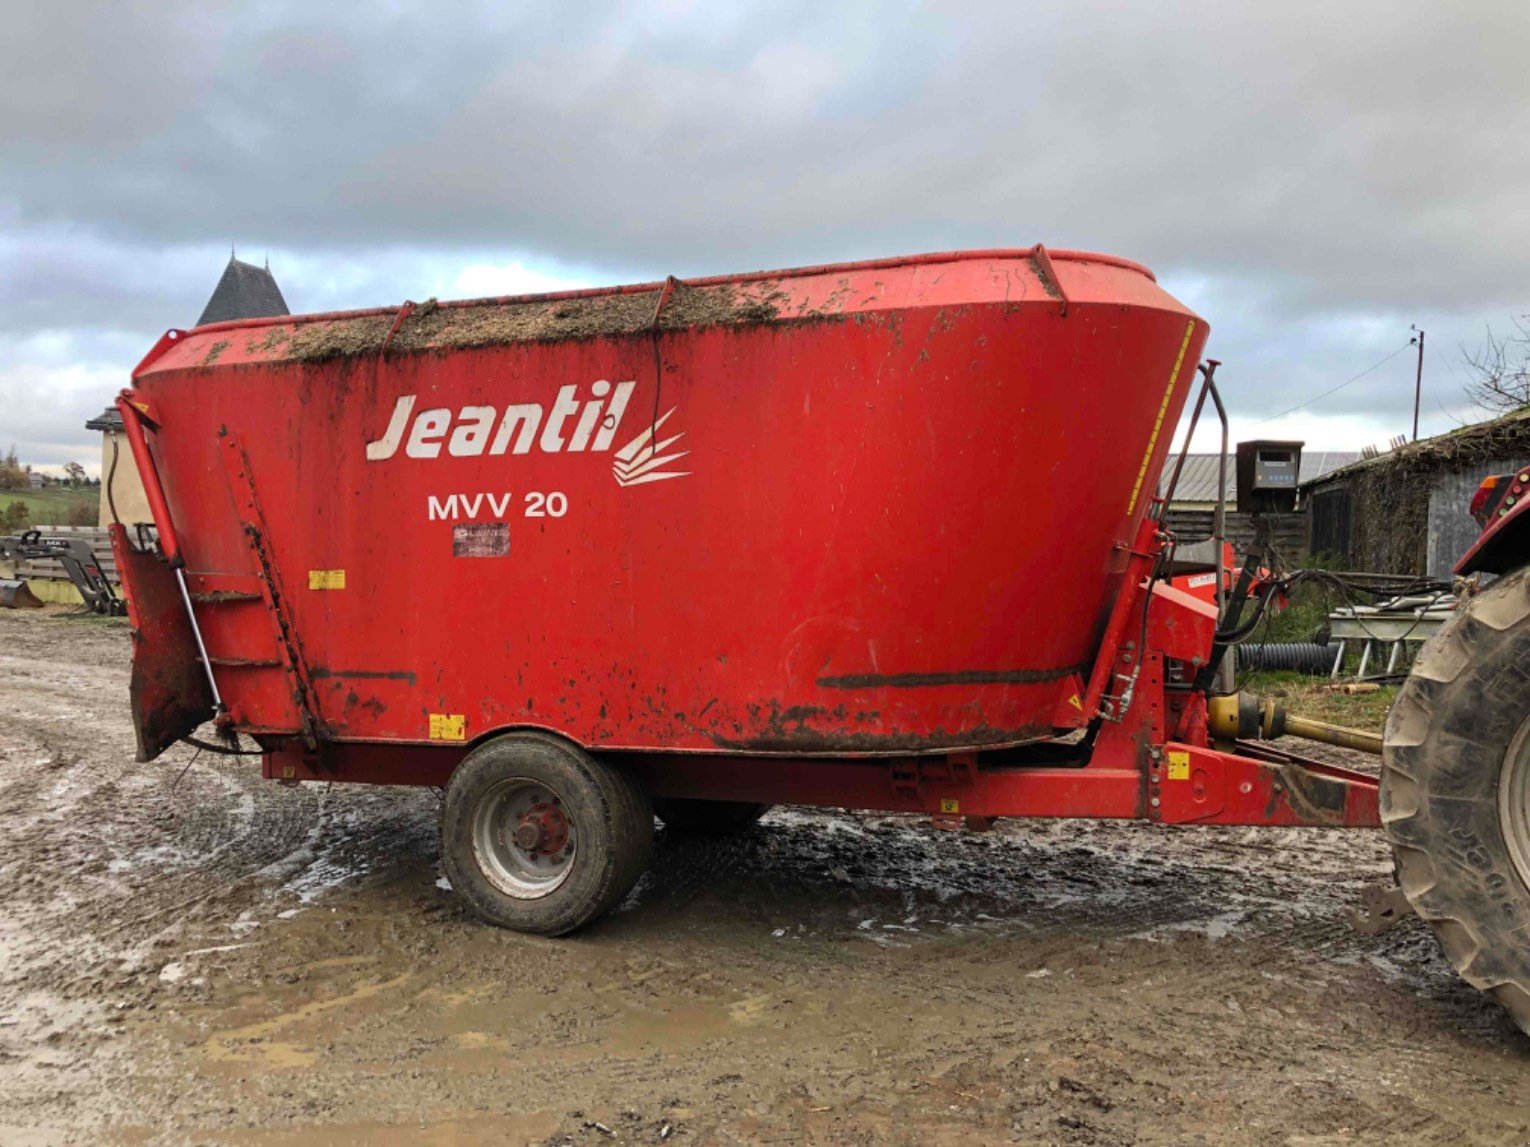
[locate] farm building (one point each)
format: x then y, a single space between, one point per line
1405 511
244 292
1195 499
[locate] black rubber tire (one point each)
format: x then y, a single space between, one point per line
610 811
707 818
1447 738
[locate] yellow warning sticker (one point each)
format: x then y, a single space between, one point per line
326 579
448 727
949 805
1076 703
1179 765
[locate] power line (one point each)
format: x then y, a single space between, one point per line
1448 365
1341 386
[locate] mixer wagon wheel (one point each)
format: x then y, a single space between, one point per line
707 818
1455 790
541 837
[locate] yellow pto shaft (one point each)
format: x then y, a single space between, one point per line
1242 716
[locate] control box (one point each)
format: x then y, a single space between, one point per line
1267 476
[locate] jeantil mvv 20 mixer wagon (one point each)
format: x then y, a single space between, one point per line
878 535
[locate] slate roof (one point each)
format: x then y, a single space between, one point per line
108 419
245 292
1198 481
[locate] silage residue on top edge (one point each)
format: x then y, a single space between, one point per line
432 327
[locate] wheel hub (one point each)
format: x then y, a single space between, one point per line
543 829
524 841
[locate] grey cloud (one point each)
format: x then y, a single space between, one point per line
59 278
1350 146
1315 175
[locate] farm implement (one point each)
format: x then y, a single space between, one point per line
877 535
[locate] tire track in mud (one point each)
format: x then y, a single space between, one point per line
1279 895
1066 981
105 854
112 856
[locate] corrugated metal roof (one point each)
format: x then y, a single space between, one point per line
1198 481
1316 463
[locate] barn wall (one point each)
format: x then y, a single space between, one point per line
1328 513
1406 513
1451 530
126 487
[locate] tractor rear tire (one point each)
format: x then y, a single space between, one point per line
1455 790
707 818
538 836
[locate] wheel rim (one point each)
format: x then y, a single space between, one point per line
1514 801
523 839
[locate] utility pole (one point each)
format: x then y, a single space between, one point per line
1418 380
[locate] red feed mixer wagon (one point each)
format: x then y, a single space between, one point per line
878 535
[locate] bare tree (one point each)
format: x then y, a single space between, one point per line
1500 369
75 473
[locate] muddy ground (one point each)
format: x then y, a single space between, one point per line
191 955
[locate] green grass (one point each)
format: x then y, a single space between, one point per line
1304 696
1308 608
1303 616
51 506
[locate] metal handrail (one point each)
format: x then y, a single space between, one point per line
1208 370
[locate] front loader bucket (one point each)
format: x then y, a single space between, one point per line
16 594
168 690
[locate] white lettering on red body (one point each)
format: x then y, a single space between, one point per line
470 431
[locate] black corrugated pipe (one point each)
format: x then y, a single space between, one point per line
1293 656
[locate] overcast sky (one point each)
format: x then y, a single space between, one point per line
1312 178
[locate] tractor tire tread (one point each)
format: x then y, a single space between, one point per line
1439 769
636 853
